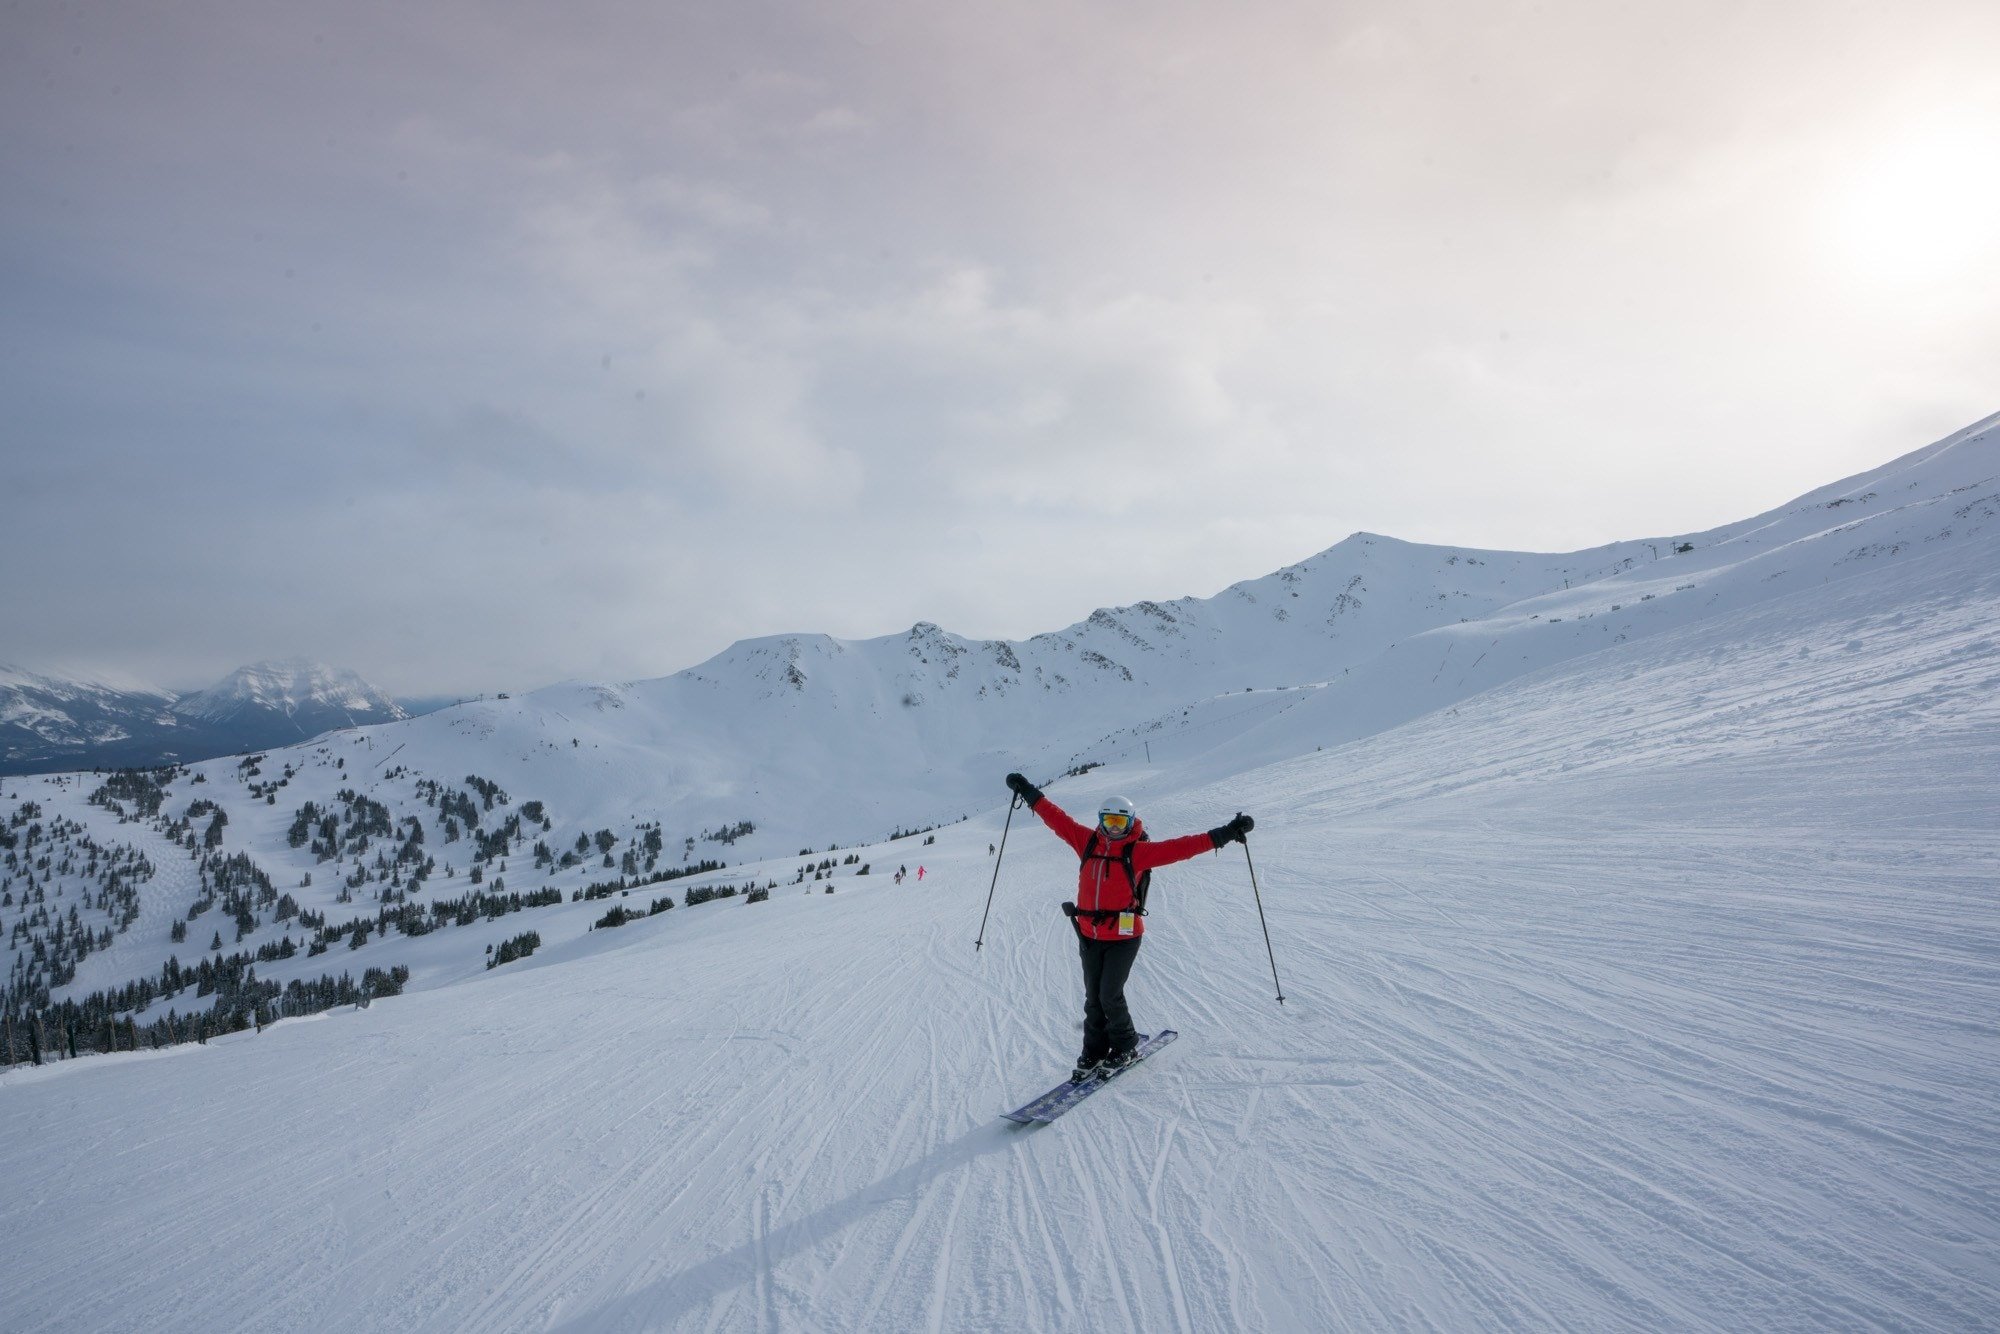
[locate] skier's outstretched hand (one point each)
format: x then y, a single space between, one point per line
1025 790
1232 832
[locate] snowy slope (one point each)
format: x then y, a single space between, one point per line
813 739
1943 498
1653 989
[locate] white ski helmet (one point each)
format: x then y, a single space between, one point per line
1115 816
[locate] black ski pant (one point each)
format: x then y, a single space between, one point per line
1107 1022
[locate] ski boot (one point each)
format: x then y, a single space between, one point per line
1116 1061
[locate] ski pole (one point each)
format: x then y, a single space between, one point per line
1260 920
1011 804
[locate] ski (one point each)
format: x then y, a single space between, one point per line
1042 1110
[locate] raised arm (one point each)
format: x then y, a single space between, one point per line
1050 814
1168 851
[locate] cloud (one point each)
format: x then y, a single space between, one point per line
639 329
1094 401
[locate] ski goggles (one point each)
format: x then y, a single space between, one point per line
1115 822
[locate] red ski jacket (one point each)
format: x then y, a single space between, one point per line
1101 885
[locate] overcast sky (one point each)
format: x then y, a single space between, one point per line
481 346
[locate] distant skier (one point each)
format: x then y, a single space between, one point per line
1110 909
920 873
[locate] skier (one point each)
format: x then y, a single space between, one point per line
920 873
1110 908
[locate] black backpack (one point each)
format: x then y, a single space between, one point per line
1140 883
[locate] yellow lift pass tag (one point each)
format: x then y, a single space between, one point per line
1125 921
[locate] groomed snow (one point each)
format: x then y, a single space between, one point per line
1659 989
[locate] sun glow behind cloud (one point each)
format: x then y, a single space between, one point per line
840 317
1920 205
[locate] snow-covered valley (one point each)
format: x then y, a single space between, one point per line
1642 974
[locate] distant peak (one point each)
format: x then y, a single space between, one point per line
13 676
289 685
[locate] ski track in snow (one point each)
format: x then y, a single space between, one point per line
1658 992
1524 1078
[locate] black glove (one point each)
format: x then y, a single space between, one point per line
1025 790
1232 832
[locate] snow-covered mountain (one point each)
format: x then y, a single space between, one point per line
315 698
1634 912
808 740
811 738
48 720
54 722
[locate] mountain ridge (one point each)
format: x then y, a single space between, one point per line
51 722
1677 944
295 687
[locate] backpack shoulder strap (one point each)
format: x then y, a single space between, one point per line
1140 883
